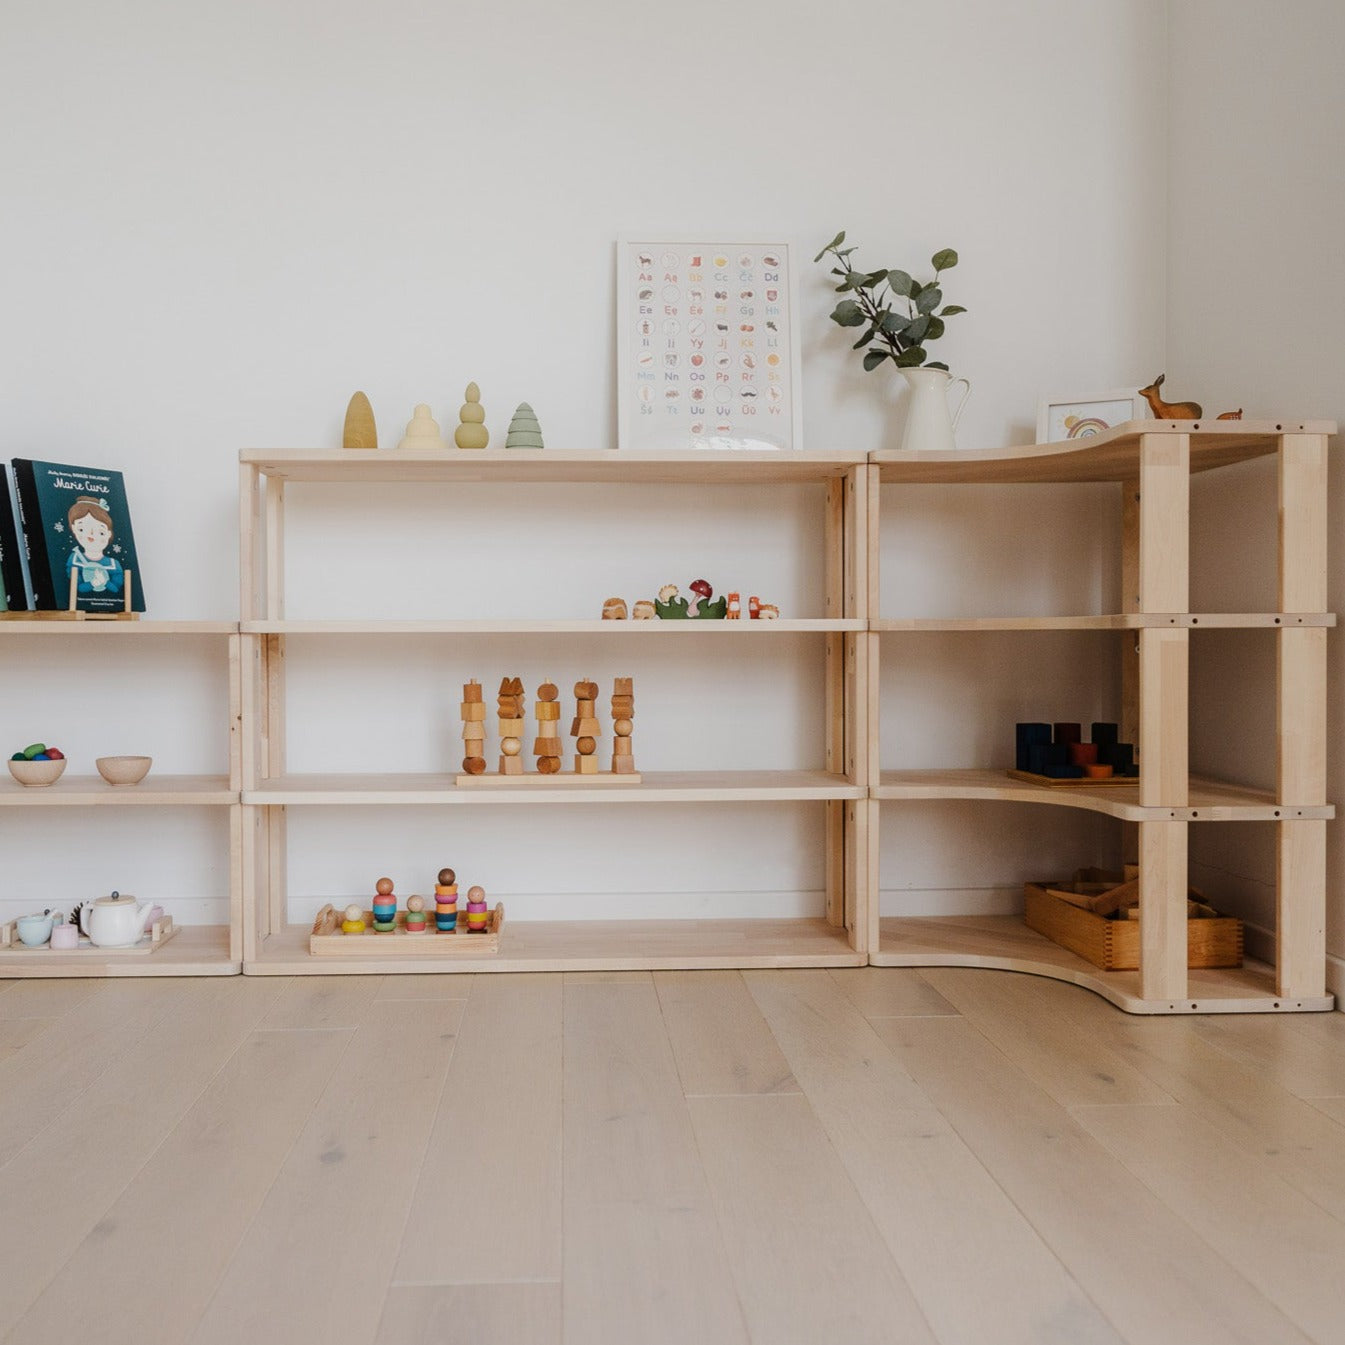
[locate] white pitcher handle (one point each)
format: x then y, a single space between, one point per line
962 403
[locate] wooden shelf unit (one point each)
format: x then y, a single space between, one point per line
194 950
272 945
1152 462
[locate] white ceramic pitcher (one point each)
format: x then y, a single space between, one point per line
929 423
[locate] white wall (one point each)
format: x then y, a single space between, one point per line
1255 319
222 220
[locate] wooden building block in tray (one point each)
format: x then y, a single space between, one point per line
1080 782
160 932
327 940
1114 943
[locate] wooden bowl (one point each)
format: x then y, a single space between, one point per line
34 773
124 770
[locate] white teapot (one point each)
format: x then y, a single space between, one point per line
115 921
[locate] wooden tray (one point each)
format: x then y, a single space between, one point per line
1114 945
159 933
1050 782
327 940
494 780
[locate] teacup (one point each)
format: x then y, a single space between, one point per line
64 938
35 930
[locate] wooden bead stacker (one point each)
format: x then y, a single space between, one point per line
585 729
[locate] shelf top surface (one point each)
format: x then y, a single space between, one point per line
611 467
15 624
1110 456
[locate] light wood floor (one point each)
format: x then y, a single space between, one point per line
821 1157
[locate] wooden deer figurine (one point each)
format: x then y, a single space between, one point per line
1178 410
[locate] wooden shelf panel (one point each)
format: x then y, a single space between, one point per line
92 791
1005 943
636 629
594 945
1110 621
194 950
1111 456
1209 800
518 465
110 630
656 787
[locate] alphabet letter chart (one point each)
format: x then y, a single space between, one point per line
706 353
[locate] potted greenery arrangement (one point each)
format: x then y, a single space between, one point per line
876 300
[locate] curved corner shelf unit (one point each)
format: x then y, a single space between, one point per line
1150 462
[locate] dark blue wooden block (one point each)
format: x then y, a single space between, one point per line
1105 734
1025 737
1063 772
1068 733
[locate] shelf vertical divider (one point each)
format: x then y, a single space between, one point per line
1300 718
1164 659
855 708
1130 647
869 715
833 563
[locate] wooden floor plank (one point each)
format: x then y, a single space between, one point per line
1143 1266
46 999
326 1003
317 1259
1214 1187
1304 1053
890 992
17 1033
446 985
976 1267
719 1038
808 1261
70 1174
644 1259
472 1314
1033 1021
490 1185
184 1213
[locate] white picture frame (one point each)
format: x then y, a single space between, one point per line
707 355
1064 418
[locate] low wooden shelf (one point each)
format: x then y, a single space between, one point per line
92 791
194 950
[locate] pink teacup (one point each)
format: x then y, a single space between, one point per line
64 938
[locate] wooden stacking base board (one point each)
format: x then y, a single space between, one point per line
159 934
532 780
1050 782
327 940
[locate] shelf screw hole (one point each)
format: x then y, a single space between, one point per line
1277 621
1194 815
1279 427
1195 621
1196 426
1277 812
1277 1004
1194 1006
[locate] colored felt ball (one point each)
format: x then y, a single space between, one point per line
55 754
383 886
33 750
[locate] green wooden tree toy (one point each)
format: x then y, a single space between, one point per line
524 431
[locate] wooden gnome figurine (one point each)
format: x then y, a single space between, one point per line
385 907
524 431
446 902
477 913
423 431
472 433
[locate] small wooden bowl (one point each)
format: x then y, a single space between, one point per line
124 770
35 773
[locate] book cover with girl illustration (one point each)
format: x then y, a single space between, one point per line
77 530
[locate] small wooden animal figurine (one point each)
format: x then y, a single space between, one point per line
415 915
546 746
353 919
473 710
761 611
446 902
385 907
669 606
472 432
614 609
623 715
423 431
735 608
644 610
702 609
477 913
511 725
1178 410
360 430
524 431
585 729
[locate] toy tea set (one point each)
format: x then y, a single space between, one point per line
114 922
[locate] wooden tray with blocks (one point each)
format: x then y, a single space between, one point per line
1080 782
160 932
327 940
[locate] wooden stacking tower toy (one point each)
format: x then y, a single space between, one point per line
546 746
385 906
623 715
478 914
473 729
446 902
585 729
511 725
416 916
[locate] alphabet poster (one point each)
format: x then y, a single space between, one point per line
706 352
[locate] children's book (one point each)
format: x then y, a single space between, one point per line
77 526
16 597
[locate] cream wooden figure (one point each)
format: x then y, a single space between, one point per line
423 431
360 430
472 432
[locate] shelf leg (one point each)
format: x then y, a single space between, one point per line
1163 910
1300 908
1164 670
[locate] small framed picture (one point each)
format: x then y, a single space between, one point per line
1082 417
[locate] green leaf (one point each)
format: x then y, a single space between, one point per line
865 339
945 260
848 314
935 329
900 282
835 243
845 252
873 358
875 278
894 322
909 359
929 299
935 364
951 309
915 331
916 289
